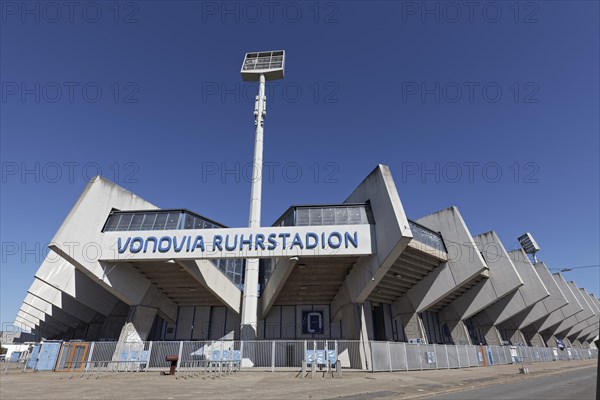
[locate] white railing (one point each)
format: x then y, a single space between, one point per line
225 356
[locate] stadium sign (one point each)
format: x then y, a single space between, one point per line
335 240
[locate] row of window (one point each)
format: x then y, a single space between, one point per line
164 220
312 216
427 236
155 221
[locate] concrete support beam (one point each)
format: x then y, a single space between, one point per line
216 282
542 309
31 314
573 306
413 326
458 331
591 321
465 262
61 300
355 328
48 319
281 272
77 238
531 292
24 324
565 327
503 280
138 325
491 334
51 310
61 275
537 340
391 232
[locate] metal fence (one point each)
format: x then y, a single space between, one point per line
225 356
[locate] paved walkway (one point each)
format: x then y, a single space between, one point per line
267 385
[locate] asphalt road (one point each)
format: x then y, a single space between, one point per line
579 384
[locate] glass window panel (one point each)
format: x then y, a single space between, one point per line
189 222
288 220
161 219
315 216
341 216
354 215
329 216
136 223
301 217
113 221
124 222
198 223
363 216
172 220
208 225
148 222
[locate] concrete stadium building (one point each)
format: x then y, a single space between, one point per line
121 268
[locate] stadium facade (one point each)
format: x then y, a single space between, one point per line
121 268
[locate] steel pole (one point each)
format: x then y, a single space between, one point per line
249 316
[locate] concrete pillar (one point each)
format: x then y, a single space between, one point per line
354 327
577 344
492 336
138 325
537 340
516 336
413 326
458 332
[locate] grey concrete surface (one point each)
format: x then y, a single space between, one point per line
578 384
287 385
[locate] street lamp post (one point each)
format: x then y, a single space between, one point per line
257 66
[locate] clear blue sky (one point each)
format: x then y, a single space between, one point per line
492 89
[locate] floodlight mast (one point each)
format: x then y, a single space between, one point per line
259 67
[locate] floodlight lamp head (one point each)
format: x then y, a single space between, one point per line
271 64
528 244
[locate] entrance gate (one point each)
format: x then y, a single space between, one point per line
72 356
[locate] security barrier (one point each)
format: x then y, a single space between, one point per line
217 358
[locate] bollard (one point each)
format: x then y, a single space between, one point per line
313 369
338 368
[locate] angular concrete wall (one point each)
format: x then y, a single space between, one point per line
392 234
465 262
549 304
503 279
564 312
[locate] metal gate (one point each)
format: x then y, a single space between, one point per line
72 356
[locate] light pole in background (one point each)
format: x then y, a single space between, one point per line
260 66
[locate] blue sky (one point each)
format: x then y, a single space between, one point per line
491 107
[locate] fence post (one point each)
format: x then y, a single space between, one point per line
273 356
447 358
468 358
389 355
371 346
335 348
89 360
420 355
148 357
326 355
241 354
179 356
405 356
